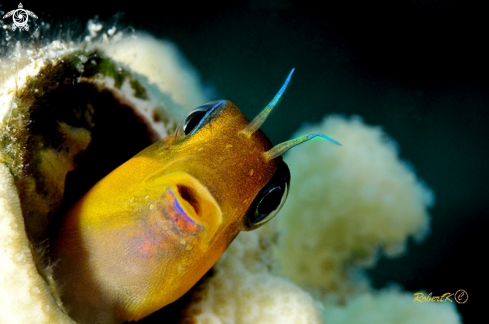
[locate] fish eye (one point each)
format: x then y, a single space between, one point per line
269 200
196 117
270 204
193 119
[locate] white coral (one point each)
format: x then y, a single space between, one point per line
24 296
347 202
243 290
163 65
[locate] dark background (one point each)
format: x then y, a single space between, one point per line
417 68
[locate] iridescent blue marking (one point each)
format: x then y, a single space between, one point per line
285 146
180 209
203 120
262 116
312 135
280 92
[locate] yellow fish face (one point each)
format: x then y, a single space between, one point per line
147 232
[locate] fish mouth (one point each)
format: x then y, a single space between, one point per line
193 204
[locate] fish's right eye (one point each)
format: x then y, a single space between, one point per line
269 200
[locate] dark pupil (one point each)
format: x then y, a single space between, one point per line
193 120
270 202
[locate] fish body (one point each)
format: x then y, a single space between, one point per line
147 232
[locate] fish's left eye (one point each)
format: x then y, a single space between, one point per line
270 204
269 200
196 117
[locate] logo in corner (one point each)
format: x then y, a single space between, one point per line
20 17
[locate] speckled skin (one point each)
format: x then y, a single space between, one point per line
126 249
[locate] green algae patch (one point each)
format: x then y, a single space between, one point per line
109 69
138 90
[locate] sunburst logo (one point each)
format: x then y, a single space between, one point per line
20 17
